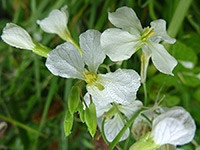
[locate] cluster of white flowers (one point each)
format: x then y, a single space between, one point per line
113 93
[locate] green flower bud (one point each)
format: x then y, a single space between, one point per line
68 123
91 118
145 143
74 99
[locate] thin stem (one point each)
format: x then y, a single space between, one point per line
22 125
103 133
126 142
81 94
126 126
145 94
119 113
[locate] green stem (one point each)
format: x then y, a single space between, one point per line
119 113
145 94
67 37
103 133
22 125
126 126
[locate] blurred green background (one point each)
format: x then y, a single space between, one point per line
34 102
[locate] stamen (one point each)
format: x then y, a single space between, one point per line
147 34
89 77
146 31
150 33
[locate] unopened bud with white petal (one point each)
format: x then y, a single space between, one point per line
175 127
56 23
18 37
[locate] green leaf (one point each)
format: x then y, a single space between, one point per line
68 123
184 53
190 80
74 99
197 94
165 79
192 40
171 101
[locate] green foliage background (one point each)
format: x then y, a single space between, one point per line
29 92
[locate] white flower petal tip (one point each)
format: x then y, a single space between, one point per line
124 18
120 86
160 32
162 60
16 36
175 127
56 22
65 61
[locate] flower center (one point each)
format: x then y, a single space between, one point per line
90 77
147 34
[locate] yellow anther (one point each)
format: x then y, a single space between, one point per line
147 34
146 31
90 77
150 33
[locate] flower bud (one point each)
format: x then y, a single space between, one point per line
56 23
73 100
16 36
68 123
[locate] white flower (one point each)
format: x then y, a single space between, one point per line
120 44
175 127
56 22
16 36
114 124
66 61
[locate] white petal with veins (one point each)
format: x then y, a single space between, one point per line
65 61
93 55
16 36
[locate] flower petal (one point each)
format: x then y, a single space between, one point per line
175 126
65 61
125 18
162 60
120 86
56 22
129 110
118 44
93 55
160 33
99 109
112 127
16 36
